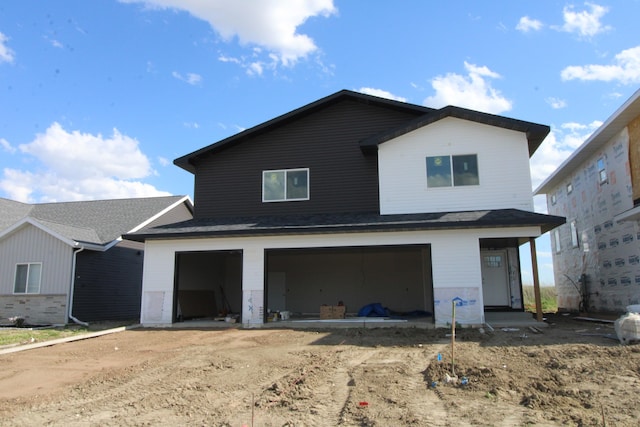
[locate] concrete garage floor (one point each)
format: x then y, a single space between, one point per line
492 319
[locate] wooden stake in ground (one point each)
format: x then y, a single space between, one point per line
453 336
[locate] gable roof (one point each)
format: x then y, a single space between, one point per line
187 162
614 124
535 132
95 222
425 116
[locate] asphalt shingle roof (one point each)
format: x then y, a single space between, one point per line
96 221
348 222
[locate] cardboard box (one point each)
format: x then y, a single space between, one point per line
332 311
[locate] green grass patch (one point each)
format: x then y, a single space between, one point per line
548 297
28 336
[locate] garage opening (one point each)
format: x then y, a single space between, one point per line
300 281
208 285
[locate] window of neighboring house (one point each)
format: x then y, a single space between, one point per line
28 277
556 240
553 199
285 185
574 234
602 171
445 171
569 188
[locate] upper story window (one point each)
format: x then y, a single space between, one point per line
285 185
28 278
553 199
569 188
445 171
602 171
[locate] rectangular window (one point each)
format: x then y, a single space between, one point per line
574 234
285 185
569 188
553 199
445 171
602 171
556 240
27 278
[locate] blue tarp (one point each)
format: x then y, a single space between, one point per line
373 310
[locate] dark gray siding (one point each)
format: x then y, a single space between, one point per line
342 178
108 285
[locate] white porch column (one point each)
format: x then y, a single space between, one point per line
253 285
457 277
157 284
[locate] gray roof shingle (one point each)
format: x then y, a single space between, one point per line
96 221
348 222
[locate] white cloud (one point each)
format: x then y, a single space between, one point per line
556 103
271 24
255 69
55 43
6 54
625 69
191 125
585 23
472 91
527 24
381 93
557 147
6 146
79 166
163 161
191 78
225 58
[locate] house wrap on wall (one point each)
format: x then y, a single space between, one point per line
353 199
60 261
596 254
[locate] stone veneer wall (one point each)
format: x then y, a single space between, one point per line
36 309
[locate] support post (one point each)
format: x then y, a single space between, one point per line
536 279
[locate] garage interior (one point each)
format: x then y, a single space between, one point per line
300 281
208 285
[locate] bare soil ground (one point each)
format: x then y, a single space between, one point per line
571 374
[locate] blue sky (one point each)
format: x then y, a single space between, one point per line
97 98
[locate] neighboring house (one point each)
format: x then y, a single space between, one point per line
353 199
596 255
61 261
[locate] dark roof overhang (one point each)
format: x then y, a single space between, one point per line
187 162
536 133
348 223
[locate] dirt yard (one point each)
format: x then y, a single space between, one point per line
572 373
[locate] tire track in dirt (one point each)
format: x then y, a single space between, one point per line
404 390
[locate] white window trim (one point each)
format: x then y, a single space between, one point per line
285 171
575 242
26 285
556 238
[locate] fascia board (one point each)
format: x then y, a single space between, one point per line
30 221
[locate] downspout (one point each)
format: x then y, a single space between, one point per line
72 288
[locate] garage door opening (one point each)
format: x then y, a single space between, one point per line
399 278
207 284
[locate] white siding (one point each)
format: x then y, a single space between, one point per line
503 163
30 244
455 254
